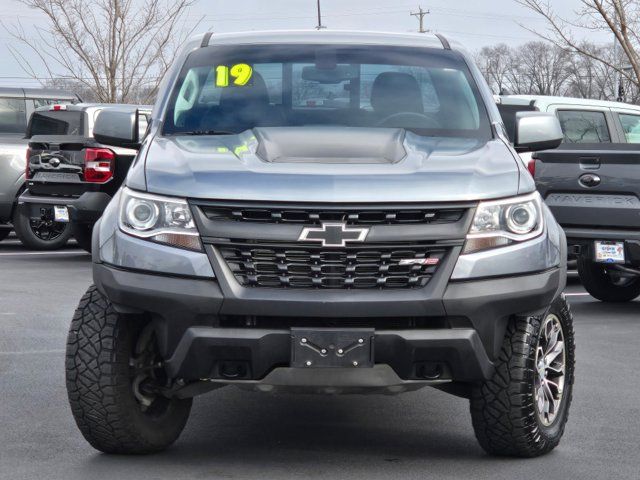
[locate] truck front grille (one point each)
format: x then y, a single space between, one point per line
315 216
304 266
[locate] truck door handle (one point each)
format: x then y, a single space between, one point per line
589 163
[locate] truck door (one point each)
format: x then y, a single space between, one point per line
593 178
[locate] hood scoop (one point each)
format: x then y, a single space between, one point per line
330 145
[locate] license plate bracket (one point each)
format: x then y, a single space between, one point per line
61 214
609 252
332 348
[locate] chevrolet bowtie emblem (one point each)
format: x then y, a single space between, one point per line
333 234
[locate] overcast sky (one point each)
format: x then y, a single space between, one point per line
475 23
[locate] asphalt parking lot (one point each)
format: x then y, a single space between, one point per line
234 434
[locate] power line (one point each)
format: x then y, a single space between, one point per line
420 15
370 12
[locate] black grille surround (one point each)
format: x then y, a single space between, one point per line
288 265
263 244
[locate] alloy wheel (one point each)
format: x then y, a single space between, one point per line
47 230
550 367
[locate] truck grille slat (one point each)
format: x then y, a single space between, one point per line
370 267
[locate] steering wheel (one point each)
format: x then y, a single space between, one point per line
410 120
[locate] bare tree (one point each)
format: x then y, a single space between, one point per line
117 49
589 78
535 68
495 63
542 68
70 85
545 66
620 17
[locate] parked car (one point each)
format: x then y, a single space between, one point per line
70 176
592 186
16 106
262 243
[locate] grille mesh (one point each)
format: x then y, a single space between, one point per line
288 266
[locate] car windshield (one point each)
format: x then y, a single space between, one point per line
231 89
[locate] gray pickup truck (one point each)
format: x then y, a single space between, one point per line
324 212
16 107
591 183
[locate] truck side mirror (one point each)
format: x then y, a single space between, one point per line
120 127
537 131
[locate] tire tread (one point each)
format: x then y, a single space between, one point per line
97 382
503 408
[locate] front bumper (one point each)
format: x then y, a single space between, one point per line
87 208
463 324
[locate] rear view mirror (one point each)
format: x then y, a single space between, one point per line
537 131
120 127
338 74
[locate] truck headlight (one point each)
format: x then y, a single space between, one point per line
498 223
160 219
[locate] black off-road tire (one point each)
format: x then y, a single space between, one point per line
503 409
601 286
26 235
82 233
99 383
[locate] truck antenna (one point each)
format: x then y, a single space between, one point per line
319 26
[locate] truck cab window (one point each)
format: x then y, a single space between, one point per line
581 126
44 102
13 117
631 127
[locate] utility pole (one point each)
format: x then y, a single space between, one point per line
620 92
420 15
319 26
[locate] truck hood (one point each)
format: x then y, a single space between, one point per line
330 164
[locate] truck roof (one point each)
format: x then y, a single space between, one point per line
542 101
429 40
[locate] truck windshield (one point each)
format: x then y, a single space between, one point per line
231 89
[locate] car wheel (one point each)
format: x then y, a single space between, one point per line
4 233
115 381
522 410
82 234
605 286
42 233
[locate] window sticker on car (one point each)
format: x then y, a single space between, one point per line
240 72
